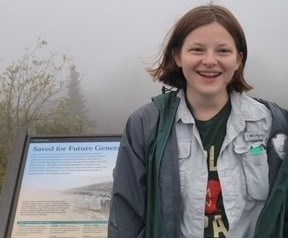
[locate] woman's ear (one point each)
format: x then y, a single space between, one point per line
176 57
239 60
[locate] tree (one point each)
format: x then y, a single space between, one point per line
62 120
70 114
32 96
75 98
30 87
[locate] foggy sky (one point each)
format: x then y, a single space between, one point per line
113 41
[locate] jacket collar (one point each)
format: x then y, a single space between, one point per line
246 108
183 113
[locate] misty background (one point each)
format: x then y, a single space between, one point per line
113 41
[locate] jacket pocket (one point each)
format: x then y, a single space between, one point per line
184 149
256 169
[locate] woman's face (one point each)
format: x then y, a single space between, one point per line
208 59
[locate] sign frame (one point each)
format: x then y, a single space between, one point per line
9 198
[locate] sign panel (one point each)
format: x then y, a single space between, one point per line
66 188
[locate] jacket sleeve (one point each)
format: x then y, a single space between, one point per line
128 203
273 220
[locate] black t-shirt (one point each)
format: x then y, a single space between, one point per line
212 133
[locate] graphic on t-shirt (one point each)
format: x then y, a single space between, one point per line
212 198
216 224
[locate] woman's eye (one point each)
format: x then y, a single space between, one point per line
197 50
224 51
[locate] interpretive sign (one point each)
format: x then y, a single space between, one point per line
65 187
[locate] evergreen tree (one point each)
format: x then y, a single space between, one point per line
75 98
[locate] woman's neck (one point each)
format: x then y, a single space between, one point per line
205 107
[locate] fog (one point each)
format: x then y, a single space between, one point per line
113 41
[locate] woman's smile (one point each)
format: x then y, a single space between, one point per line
209 74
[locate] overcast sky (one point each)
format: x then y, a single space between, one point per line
111 40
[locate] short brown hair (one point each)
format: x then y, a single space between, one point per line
167 70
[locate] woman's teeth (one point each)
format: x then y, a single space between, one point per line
209 74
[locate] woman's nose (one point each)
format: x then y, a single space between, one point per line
209 59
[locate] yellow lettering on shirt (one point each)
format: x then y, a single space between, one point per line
219 226
212 166
206 224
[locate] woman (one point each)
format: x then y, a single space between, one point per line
202 161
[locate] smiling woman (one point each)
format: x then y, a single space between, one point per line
208 61
186 165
